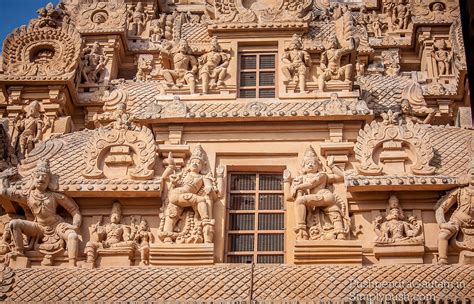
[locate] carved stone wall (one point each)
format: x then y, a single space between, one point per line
129 121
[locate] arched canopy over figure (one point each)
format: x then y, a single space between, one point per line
311 190
296 63
213 67
52 230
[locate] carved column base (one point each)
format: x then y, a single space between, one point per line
113 257
466 257
400 254
182 254
19 262
328 252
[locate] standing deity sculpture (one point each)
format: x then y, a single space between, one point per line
401 15
111 235
394 228
142 237
185 66
213 67
144 68
443 57
137 19
459 228
29 128
377 24
195 189
52 232
296 63
93 64
311 190
331 62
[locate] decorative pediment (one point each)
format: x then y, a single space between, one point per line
438 11
390 148
100 16
259 11
46 49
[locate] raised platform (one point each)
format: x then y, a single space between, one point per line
328 252
399 254
182 254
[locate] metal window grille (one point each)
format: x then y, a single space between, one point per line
256 219
257 76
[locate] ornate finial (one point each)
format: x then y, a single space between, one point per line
198 153
310 154
116 208
43 167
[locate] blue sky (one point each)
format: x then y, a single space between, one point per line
15 13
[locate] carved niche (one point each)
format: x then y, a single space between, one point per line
120 149
259 11
47 48
435 10
391 148
100 16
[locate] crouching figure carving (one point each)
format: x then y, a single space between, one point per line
459 229
192 191
315 203
109 236
49 229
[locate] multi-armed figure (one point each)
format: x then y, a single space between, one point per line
213 67
50 229
310 190
193 187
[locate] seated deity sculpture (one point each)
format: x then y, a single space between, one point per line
443 57
394 228
185 66
51 231
142 237
296 63
311 190
459 228
111 235
213 67
331 63
195 189
29 128
93 64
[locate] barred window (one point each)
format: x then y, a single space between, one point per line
256 219
257 75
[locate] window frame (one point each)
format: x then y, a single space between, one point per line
257 71
256 212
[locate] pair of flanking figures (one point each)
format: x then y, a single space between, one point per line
193 191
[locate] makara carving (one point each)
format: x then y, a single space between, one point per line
50 232
193 191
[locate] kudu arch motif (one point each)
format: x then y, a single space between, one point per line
389 135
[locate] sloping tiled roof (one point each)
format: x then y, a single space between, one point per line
452 150
385 92
236 283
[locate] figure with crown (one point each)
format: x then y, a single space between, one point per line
296 63
194 189
311 192
50 230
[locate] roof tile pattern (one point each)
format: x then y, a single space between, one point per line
233 283
386 92
452 150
